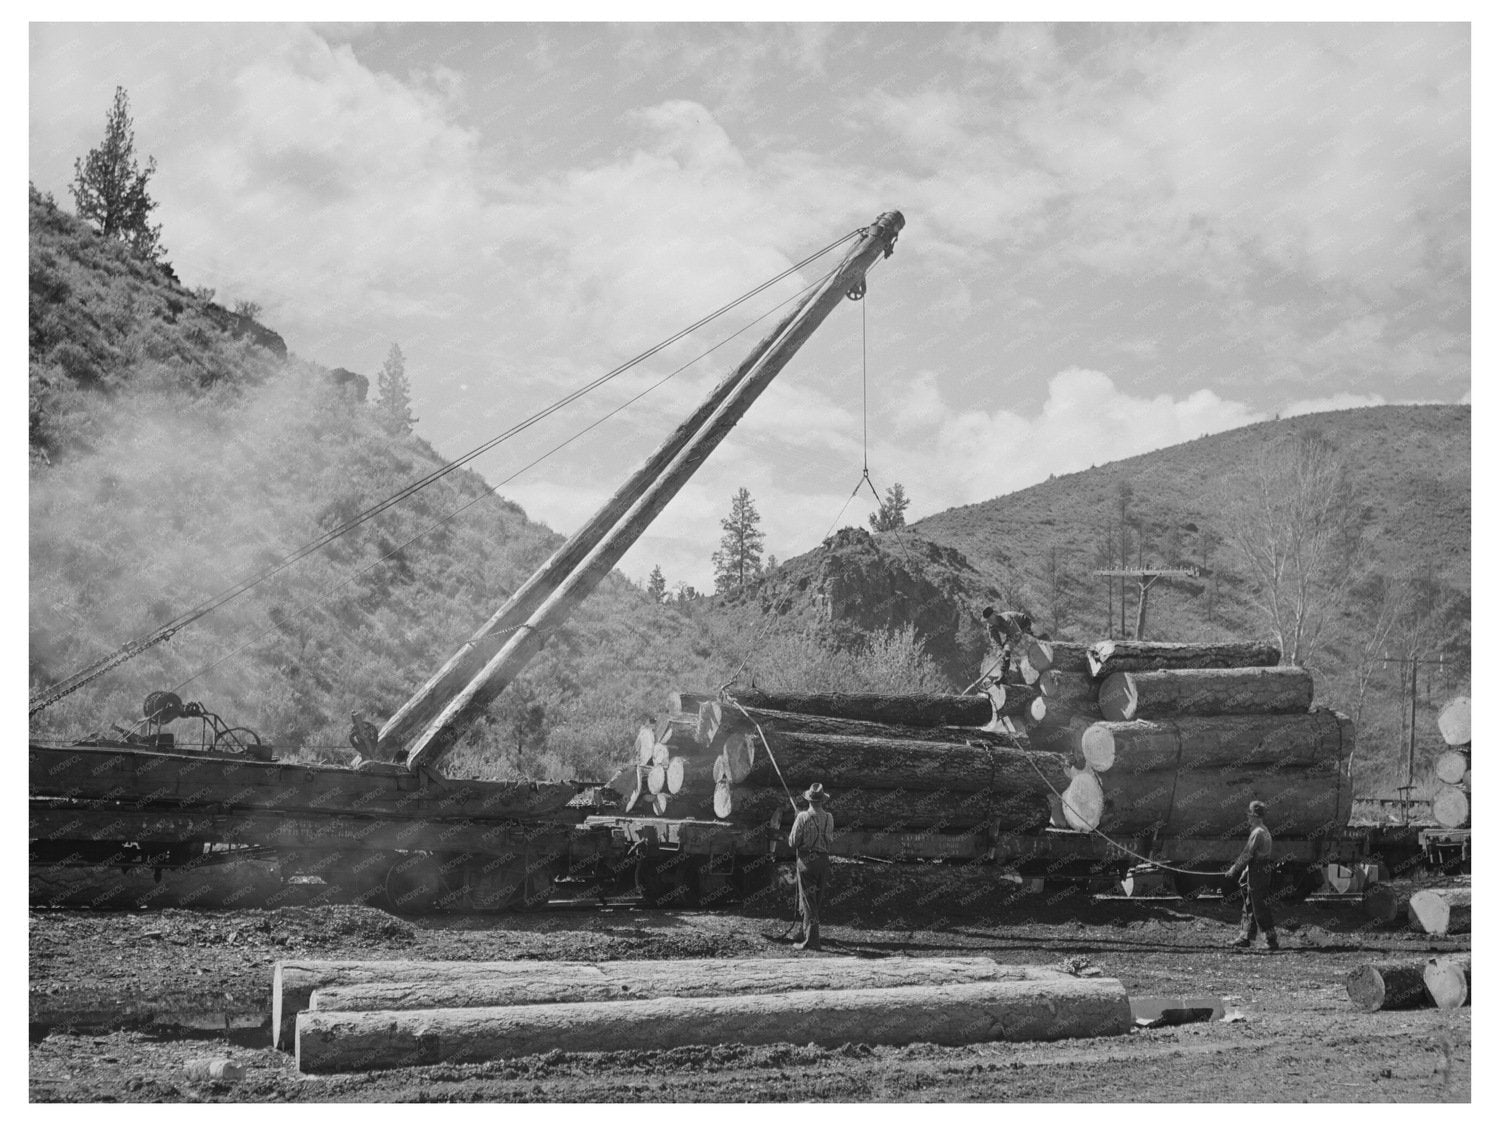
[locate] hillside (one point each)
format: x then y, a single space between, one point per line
176 450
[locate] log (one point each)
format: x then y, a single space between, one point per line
1440 910
790 722
1451 767
1109 657
680 732
645 745
1447 980
903 710
1300 801
1316 738
889 810
907 764
1061 656
1205 691
1384 986
1383 903
1071 687
659 804
656 780
739 757
1028 672
1450 807
661 754
1062 728
952 1014
674 776
1010 700
467 985
688 702
710 719
1083 800
640 787
1453 721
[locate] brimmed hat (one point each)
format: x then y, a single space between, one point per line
816 793
1257 808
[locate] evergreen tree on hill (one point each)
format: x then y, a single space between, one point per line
394 401
892 512
656 585
737 560
109 187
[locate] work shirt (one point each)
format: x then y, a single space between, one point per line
1257 848
812 831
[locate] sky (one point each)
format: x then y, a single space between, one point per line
1118 236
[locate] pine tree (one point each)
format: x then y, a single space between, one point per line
656 585
737 560
394 401
109 187
892 512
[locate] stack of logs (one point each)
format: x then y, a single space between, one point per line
1451 802
1179 738
369 1015
889 762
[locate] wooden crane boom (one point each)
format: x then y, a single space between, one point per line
427 725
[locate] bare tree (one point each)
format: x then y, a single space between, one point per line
1293 524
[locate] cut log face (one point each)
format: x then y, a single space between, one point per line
659 804
661 754
1205 691
1388 985
674 775
902 710
739 757
581 982
645 745
1451 767
1383 904
1447 981
1202 742
656 780
1083 801
710 722
1440 910
1450 807
1109 657
1453 722
1062 656
943 1014
723 800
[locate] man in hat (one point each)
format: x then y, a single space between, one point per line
1253 869
812 838
1008 631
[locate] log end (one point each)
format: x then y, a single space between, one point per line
1117 698
1099 748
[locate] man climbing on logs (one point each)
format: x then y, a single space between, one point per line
1253 870
1008 630
812 838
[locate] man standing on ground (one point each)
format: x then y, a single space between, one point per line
1253 869
812 838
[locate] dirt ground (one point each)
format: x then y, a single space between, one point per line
120 1002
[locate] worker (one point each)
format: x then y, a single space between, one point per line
812 839
1253 870
1008 631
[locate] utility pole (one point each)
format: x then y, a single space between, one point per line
1145 577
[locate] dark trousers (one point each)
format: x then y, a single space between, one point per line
813 875
1256 913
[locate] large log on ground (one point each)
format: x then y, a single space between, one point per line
897 809
1440 910
1451 766
839 761
1109 657
579 982
1386 985
1450 807
903 710
949 1014
1453 722
791 722
1320 736
1447 980
1060 656
1307 801
1205 691
1383 903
